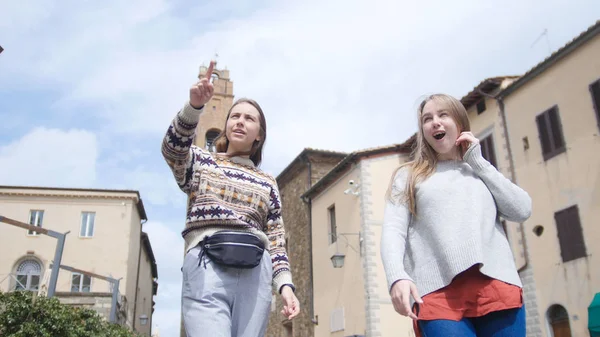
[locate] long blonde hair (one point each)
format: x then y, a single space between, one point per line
424 156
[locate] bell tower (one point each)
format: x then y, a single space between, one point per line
212 120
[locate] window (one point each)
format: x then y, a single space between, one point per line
35 219
80 283
481 106
28 275
336 320
570 234
87 224
487 150
211 136
332 225
559 321
550 131
595 91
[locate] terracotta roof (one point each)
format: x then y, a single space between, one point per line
355 156
487 86
139 204
572 45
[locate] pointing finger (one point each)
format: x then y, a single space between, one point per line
210 69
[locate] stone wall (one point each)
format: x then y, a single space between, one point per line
99 302
297 225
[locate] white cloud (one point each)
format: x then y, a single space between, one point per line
50 157
355 67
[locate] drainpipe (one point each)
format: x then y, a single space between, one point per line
511 162
137 278
308 201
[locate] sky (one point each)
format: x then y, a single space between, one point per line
87 88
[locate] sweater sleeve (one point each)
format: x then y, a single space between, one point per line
396 219
513 203
177 148
275 231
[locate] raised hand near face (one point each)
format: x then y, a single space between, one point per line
465 141
202 92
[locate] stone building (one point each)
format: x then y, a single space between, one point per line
304 171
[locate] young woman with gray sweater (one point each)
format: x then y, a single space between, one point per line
443 237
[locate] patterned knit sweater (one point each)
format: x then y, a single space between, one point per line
225 193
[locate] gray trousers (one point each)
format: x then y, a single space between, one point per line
225 302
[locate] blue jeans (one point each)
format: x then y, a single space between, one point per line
504 323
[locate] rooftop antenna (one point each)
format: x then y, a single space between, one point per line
544 33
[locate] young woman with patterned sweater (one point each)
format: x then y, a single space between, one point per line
442 234
234 235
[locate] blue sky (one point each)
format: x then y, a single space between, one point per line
87 89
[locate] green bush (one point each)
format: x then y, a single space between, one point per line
24 314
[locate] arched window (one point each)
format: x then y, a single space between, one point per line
28 275
211 135
558 318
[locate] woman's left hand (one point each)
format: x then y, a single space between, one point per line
291 306
465 141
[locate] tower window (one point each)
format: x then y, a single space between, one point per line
211 136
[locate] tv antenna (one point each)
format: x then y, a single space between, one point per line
544 34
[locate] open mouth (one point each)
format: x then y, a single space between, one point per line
439 135
239 132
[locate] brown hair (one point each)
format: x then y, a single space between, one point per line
255 153
424 156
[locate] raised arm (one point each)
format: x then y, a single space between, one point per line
177 148
513 203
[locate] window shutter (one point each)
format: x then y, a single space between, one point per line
570 234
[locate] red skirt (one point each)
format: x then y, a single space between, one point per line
471 294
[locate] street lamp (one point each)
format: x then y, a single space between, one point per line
337 259
144 319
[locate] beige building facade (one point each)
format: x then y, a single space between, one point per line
104 237
553 117
350 288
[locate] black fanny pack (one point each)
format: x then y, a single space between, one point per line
233 249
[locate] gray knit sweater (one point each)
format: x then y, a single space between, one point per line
457 225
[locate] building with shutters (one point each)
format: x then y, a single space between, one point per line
553 118
541 130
